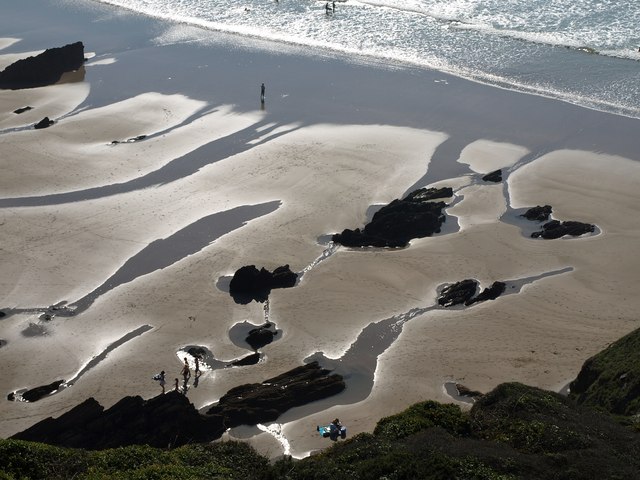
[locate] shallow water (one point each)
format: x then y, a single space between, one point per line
582 52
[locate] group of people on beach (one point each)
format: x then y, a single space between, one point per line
330 9
186 375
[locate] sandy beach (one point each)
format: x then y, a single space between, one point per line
147 232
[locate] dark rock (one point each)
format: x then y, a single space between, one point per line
264 402
170 420
261 336
2 314
22 109
198 352
44 123
395 224
538 214
251 359
457 293
165 420
425 194
249 283
495 176
43 69
35 394
283 277
489 293
555 229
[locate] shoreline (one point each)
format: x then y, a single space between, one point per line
325 149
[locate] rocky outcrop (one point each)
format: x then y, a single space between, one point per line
22 109
495 176
170 420
249 283
44 123
35 394
43 69
490 293
395 224
165 420
556 229
463 292
457 293
264 402
261 336
538 213
250 359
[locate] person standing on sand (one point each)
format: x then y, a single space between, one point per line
262 90
162 380
186 373
176 387
197 369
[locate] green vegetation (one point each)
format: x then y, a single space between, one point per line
31 460
513 432
610 380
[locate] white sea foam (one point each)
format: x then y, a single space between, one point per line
517 43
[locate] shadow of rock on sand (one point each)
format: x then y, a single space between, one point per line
35 394
164 253
177 169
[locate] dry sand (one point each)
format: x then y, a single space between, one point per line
568 298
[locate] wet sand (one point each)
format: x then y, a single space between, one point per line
139 233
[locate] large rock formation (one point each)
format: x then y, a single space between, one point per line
43 69
463 292
165 420
395 224
171 420
260 336
249 283
264 402
555 229
538 213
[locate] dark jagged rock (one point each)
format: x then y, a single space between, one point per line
130 140
171 420
43 69
490 293
283 277
538 213
261 336
35 394
22 109
165 420
495 176
395 224
251 359
457 293
44 123
264 402
198 352
555 229
249 283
